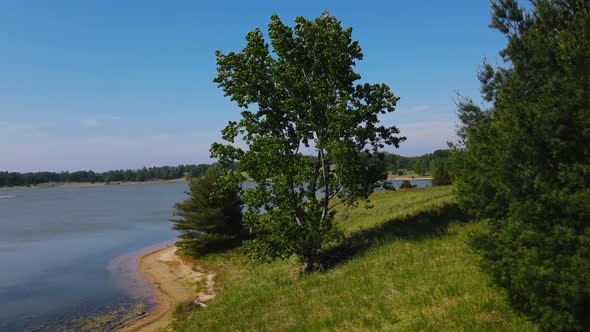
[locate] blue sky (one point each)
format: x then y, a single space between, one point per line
107 84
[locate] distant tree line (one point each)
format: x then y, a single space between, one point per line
427 164
11 179
421 165
436 164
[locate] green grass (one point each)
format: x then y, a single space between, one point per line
387 205
404 266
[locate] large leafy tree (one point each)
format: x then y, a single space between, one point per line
525 161
298 98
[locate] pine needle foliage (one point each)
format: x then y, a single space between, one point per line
211 217
525 161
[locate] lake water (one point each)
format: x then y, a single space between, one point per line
417 183
68 253
59 250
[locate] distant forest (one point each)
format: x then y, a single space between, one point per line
11 179
420 165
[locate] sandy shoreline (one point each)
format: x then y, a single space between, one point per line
174 281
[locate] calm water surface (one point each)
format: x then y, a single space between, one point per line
64 252
417 183
58 245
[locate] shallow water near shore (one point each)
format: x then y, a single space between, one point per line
68 254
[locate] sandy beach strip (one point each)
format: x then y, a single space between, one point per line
175 281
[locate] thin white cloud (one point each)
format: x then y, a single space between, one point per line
425 137
102 153
105 152
19 127
420 108
90 123
416 108
99 121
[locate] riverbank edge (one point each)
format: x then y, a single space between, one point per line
172 280
160 305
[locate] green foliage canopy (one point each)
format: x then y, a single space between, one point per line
422 165
525 161
300 96
406 185
442 173
211 217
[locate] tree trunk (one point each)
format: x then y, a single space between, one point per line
308 260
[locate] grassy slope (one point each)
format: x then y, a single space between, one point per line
405 267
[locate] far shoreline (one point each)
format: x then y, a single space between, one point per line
408 177
49 185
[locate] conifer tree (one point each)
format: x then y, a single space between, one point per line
211 217
525 161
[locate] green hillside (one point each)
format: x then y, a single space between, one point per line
403 266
